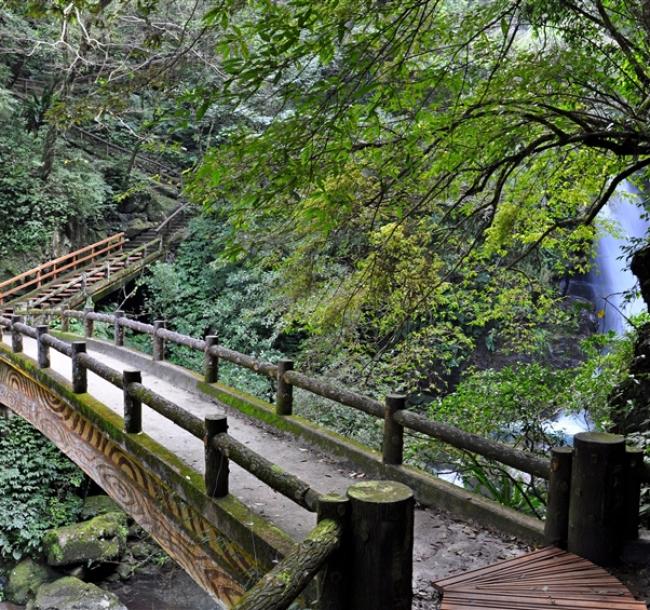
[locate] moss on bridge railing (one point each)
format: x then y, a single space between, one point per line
118 443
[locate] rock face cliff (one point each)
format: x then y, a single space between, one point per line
631 399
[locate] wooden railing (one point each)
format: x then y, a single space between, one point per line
386 508
569 469
36 277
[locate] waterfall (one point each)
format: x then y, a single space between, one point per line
610 278
609 281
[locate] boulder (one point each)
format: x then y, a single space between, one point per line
98 505
70 593
100 539
26 578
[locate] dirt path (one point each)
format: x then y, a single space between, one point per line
443 545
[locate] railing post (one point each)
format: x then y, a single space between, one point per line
333 581
393 441
284 395
132 406
65 322
43 350
381 546
118 329
210 361
556 525
79 372
16 335
88 322
597 497
217 468
633 467
158 343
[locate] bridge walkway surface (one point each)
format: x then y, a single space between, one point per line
443 545
450 557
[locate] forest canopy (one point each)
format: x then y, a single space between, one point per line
418 176
427 170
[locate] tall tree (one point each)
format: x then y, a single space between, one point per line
445 157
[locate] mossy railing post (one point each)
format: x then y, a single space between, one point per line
284 395
210 360
118 329
556 525
633 467
597 497
65 322
79 372
88 322
43 349
393 440
333 581
381 546
132 405
158 343
16 335
217 467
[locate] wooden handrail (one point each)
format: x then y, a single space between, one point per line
58 266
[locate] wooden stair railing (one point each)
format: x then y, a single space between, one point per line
36 277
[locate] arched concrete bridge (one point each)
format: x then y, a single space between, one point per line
167 464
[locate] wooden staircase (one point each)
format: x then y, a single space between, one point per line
545 579
69 280
91 271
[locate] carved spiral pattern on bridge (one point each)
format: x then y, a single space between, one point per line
178 527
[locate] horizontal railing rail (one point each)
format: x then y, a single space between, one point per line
393 412
396 417
277 589
59 266
136 394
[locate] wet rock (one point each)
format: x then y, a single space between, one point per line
143 550
26 578
100 539
70 593
98 505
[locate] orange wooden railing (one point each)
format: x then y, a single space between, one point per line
36 277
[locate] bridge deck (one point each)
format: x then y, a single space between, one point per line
443 544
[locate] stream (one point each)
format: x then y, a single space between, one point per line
166 588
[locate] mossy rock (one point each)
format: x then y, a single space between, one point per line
70 593
26 578
100 539
98 505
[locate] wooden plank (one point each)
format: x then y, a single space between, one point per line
495 567
545 579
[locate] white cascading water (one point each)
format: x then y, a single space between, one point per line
606 286
610 280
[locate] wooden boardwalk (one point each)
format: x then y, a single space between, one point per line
547 578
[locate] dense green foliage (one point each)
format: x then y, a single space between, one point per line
426 170
38 488
394 190
36 216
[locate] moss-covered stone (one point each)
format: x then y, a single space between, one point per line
70 593
26 578
102 538
94 506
